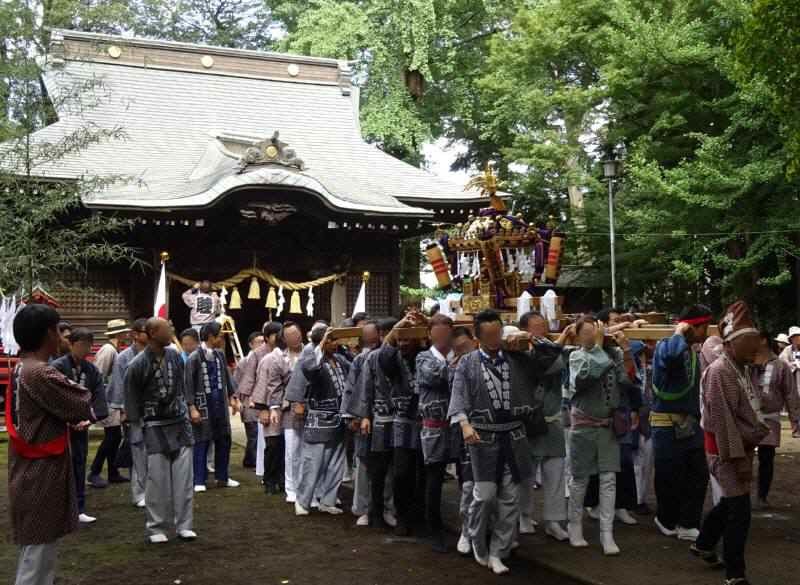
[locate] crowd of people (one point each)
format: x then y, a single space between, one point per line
590 419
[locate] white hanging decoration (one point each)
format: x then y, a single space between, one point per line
476 266
9 312
463 265
223 299
281 301
310 303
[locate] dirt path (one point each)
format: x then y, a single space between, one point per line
247 538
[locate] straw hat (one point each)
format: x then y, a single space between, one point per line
782 338
117 326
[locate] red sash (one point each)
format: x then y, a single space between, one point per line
430 423
710 443
27 450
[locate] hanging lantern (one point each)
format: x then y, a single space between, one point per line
255 289
294 304
440 268
272 299
236 299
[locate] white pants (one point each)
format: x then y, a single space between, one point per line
169 492
293 449
643 468
36 564
260 446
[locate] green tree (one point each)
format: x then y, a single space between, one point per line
43 228
705 196
768 48
241 24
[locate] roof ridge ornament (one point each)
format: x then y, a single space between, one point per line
270 152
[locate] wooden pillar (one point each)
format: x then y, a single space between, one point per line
338 301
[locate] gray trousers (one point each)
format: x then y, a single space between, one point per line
361 491
139 469
321 471
496 506
463 505
169 491
555 505
36 564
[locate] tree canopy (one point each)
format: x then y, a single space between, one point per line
702 97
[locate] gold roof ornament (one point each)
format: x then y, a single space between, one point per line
272 151
487 183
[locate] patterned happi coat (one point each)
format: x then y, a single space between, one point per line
206 371
87 375
41 492
775 388
599 385
155 398
732 428
322 395
440 442
496 408
549 392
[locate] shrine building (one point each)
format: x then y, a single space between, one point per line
233 159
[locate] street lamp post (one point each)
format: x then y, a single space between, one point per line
610 170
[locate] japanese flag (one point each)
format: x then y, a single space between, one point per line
160 306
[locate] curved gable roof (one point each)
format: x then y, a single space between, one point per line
177 103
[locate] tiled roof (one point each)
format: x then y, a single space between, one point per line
178 118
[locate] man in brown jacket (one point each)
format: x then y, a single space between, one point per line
41 485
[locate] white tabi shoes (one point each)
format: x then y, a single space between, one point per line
363 520
554 530
141 504
390 519
688 534
464 545
625 517
300 510
482 561
497 566
199 489
610 548
86 519
526 526
663 529
187 535
291 497
575 535
157 539
333 510
232 483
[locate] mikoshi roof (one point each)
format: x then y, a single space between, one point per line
189 113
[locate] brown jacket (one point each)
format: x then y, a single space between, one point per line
42 497
272 376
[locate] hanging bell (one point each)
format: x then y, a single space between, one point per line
294 304
272 299
236 299
255 289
